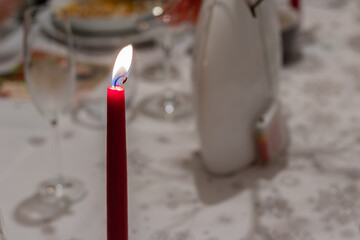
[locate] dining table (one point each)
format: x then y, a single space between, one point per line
311 192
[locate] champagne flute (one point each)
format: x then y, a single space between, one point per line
50 77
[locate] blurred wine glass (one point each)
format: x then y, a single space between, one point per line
50 77
176 16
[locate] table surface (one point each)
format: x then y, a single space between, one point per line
315 195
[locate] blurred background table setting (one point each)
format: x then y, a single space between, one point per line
241 118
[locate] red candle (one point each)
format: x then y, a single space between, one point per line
117 215
116 167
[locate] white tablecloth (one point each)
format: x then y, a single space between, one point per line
171 197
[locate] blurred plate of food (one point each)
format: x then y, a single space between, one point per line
109 17
96 43
100 34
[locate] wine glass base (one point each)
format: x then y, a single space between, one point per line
168 106
69 188
39 209
156 72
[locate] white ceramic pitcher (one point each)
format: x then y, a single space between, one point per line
236 64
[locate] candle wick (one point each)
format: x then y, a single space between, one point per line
122 82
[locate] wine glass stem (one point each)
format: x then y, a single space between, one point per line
167 47
57 156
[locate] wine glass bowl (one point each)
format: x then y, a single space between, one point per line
50 75
46 77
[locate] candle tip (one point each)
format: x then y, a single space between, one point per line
122 65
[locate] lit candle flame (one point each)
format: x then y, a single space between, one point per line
122 65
